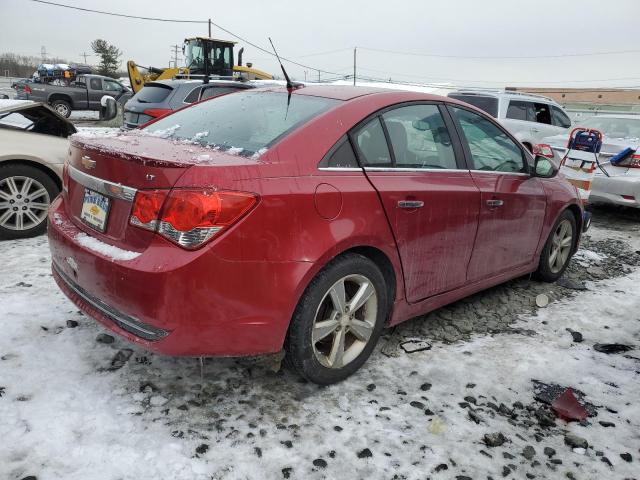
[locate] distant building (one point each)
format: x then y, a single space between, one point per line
591 100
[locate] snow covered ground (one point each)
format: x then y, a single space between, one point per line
75 408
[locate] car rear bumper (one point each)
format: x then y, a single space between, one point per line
177 302
620 190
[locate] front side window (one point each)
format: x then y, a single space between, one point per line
372 145
245 122
419 137
519 110
491 148
560 119
543 113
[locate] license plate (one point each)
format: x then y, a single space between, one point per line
95 210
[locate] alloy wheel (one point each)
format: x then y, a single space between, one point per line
23 203
344 321
561 243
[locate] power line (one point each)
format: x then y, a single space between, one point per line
496 57
156 19
186 21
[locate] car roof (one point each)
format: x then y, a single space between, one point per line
532 97
348 92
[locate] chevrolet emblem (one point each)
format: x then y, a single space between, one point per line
87 162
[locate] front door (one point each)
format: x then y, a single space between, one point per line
513 203
429 197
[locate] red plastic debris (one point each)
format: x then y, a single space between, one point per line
568 408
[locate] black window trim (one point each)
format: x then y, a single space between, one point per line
526 155
455 140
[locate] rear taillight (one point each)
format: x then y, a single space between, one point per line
146 208
190 217
631 162
157 112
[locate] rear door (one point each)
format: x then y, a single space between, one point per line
429 197
513 203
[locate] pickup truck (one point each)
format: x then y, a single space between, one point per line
83 94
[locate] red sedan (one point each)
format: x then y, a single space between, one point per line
306 220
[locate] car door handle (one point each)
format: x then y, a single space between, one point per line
410 204
535 130
493 203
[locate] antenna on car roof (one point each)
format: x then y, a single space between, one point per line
290 85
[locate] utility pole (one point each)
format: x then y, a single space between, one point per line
175 55
305 75
209 28
354 65
85 55
43 54
318 75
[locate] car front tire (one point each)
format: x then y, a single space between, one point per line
25 195
558 250
338 320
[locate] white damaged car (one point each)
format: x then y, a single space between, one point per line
33 147
619 183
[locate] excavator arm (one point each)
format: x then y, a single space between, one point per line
138 79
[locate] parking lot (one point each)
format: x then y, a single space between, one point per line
74 406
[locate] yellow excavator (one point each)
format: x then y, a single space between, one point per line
204 58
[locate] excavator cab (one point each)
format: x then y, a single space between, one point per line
208 56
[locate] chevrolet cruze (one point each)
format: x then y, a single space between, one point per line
304 219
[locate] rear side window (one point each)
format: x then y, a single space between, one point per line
153 94
491 149
542 113
419 137
341 157
560 119
372 145
519 110
217 91
243 123
95 84
488 104
193 95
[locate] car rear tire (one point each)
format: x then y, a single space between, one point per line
338 320
558 250
62 107
25 195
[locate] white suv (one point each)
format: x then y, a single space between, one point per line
530 118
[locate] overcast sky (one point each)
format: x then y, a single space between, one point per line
300 30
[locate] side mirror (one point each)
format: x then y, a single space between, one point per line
544 167
109 108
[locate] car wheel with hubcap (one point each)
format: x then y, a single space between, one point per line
25 195
559 248
62 107
338 320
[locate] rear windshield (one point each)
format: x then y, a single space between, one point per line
488 104
244 122
153 94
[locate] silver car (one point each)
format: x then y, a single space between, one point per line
33 147
620 184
